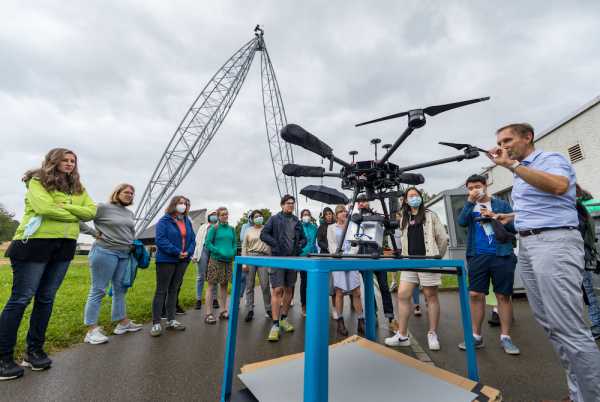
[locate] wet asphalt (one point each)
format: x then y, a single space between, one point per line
177 366
188 365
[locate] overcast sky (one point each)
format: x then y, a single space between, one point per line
112 80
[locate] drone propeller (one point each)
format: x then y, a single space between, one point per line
430 110
462 146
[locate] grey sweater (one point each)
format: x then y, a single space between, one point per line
115 224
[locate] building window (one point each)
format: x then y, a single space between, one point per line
575 153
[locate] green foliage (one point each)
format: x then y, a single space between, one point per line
244 219
8 225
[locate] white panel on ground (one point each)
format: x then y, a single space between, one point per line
356 374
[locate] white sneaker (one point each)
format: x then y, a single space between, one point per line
129 327
156 330
95 337
175 325
433 341
397 340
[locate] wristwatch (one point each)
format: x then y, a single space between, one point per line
515 165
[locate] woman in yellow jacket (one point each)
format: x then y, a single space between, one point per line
42 248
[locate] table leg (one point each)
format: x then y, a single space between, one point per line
316 341
465 310
369 306
234 306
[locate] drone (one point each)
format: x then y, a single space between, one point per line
379 179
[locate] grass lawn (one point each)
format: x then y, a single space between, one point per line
66 325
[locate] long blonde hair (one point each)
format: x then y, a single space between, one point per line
51 178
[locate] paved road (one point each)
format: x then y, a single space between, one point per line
534 375
188 366
182 366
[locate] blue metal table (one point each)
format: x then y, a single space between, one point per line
316 343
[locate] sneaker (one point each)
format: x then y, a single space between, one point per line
131 326
175 325
509 347
156 330
269 315
417 311
9 370
179 310
397 340
360 327
37 360
249 316
478 344
198 305
95 337
273 334
341 327
432 341
215 303
494 320
286 326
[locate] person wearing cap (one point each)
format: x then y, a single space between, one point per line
551 252
200 258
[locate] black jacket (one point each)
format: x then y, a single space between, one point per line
322 238
273 233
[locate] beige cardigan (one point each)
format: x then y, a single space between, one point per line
436 238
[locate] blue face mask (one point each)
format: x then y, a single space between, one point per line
31 227
212 219
415 201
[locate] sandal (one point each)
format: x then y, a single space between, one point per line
210 319
224 315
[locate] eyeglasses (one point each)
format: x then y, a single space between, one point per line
289 203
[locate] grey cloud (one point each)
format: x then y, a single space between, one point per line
113 79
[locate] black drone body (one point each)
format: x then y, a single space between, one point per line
377 179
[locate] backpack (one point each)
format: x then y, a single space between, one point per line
588 233
140 254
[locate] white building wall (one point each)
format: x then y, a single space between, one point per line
583 130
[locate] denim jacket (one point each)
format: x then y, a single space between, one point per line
465 218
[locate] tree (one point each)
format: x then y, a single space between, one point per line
8 225
244 219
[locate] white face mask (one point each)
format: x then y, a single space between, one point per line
306 219
181 208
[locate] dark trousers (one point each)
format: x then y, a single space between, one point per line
39 280
169 277
303 282
386 296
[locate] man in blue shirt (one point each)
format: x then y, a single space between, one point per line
551 255
488 258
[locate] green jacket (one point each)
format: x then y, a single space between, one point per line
221 241
60 212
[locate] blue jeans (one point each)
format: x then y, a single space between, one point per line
30 279
106 266
594 307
